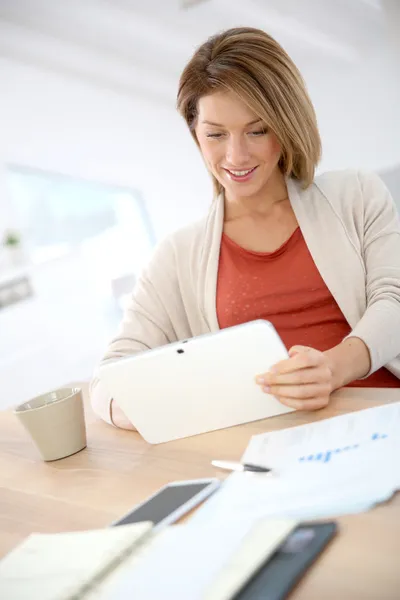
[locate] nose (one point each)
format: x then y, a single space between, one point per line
237 153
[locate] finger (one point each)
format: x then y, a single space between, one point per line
303 392
302 360
297 349
318 374
314 404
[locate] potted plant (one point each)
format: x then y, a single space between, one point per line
13 248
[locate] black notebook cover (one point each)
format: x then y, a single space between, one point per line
277 577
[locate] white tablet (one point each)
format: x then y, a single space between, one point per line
197 385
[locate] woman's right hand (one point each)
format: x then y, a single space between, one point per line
119 418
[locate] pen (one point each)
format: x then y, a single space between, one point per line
228 465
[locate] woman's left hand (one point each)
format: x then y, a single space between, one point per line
304 381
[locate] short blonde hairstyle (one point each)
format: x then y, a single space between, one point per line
251 64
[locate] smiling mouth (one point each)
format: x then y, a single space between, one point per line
242 175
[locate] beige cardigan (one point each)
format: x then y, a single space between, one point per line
351 228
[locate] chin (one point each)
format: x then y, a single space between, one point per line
244 189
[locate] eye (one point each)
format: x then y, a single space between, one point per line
215 136
258 133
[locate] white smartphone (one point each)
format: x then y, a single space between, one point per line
171 502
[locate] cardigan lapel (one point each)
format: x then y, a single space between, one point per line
326 239
328 242
209 262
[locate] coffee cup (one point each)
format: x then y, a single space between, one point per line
56 422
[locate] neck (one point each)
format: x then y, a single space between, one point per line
273 192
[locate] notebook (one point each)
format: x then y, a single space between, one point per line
137 561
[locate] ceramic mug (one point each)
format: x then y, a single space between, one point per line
56 422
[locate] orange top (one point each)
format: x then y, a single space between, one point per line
284 287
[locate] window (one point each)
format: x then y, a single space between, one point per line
58 214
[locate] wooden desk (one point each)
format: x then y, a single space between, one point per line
119 469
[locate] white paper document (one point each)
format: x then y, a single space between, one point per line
200 563
324 441
316 490
342 465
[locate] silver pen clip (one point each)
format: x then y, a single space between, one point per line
228 465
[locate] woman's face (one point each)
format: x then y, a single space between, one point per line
237 148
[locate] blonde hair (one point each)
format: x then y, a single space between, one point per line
251 64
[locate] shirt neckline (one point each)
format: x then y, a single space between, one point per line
293 239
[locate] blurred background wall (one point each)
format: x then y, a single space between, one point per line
96 165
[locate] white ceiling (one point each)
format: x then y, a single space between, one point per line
141 45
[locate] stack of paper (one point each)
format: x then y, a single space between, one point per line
338 466
323 441
199 563
136 562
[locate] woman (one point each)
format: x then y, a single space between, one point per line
319 258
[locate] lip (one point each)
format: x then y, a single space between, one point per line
240 178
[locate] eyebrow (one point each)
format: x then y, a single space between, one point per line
219 124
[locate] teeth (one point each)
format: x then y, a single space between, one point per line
240 173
